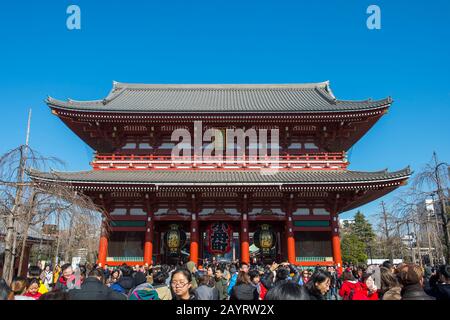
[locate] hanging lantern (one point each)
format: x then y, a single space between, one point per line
264 238
174 239
220 235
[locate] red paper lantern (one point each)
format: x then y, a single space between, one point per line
220 235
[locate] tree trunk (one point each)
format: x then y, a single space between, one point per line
28 219
7 266
57 240
70 240
386 232
13 250
11 232
417 242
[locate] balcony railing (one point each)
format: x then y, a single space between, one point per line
335 160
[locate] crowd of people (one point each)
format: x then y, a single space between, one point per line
230 281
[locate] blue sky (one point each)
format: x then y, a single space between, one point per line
232 42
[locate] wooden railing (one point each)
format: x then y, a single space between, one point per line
335 160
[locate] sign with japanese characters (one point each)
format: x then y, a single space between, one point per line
220 235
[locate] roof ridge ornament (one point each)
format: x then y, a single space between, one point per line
116 91
328 89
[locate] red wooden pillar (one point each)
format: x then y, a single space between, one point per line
194 239
103 246
290 239
157 246
245 247
336 241
148 245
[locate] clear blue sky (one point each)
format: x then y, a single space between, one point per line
232 41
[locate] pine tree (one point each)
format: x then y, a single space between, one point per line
353 250
362 229
356 238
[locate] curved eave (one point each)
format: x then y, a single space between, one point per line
395 177
67 106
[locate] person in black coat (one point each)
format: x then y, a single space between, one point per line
318 285
440 285
126 282
411 278
244 290
281 273
93 288
287 291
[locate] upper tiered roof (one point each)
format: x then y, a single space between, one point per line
220 98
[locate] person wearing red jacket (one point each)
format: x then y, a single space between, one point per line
33 289
351 288
255 279
369 289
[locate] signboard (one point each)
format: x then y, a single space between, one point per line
220 235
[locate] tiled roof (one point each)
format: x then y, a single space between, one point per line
217 178
237 98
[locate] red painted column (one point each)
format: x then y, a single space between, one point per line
336 241
103 246
148 244
157 246
290 239
245 247
194 239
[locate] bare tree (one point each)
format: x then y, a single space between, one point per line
436 181
25 203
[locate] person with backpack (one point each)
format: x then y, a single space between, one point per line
142 289
351 288
159 284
